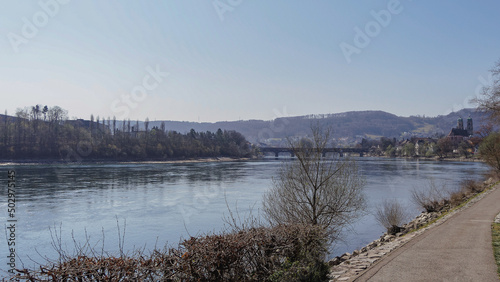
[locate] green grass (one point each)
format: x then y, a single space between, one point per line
495 233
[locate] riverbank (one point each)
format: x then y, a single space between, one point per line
104 161
450 159
461 159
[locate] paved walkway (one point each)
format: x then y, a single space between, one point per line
458 250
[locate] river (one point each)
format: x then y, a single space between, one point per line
151 205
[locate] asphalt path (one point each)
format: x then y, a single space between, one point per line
459 249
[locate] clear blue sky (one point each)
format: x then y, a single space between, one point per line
245 59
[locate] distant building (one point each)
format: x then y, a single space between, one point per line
470 129
460 134
421 142
135 132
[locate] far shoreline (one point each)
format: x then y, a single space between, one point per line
437 159
198 160
107 161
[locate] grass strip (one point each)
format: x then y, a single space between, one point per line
495 234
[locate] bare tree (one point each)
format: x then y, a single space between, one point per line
489 100
91 123
57 115
316 190
6 130
45 110
489 150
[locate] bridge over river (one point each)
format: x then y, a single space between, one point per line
340 151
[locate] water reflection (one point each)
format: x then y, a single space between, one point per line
45 182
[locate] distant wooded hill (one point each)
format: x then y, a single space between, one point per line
349 125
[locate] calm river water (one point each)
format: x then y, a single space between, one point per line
158 204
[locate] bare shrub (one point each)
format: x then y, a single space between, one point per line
472 186
492 175
253 254
282 253
467 189
458 197
431 198
315 190
392 215
110 268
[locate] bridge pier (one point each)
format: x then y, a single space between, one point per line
277 154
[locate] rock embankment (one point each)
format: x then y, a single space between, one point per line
348 266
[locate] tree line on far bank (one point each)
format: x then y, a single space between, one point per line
42 132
